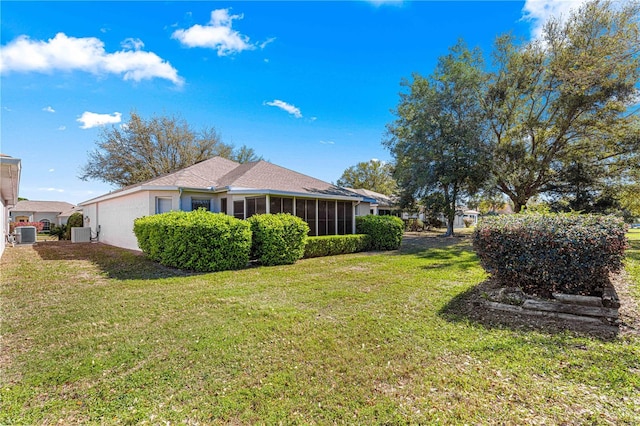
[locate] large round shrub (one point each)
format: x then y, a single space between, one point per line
385 232
278 239
76 220
544 253
198 240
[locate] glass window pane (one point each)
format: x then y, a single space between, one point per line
163 205
200 204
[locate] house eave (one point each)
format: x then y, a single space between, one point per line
130 191
253 191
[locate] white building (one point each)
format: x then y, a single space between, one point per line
10 169
224 186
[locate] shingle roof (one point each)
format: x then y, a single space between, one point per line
42 206
201 175
219 173
68 213
263 175
382 199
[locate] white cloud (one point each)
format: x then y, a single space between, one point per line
132 44
62 128
52 170
291 109
64 53
51 189
217 34
266 42
48 109
327 142
92 119
540 11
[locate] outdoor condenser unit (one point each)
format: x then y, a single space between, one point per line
26 234
81 234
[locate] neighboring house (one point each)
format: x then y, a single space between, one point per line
49 213
465 214
224 186
382 204
462 214
10 169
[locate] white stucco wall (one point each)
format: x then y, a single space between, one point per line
363 209
4 218
114 218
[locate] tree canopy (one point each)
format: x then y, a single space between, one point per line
143 149
564 99
438 138
558 115
373 175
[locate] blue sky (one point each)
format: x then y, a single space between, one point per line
309 85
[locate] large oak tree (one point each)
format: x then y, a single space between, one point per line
438 138
143 149
562 102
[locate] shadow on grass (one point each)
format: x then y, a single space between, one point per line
440 252
116 263
469 306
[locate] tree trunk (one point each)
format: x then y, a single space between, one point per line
449 232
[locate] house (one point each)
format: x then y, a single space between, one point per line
10 169
381 204
224 186
465 215
49 213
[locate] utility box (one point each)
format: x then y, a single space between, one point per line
81 234
26 234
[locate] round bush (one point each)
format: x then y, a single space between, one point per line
75 220
278 239
385 232
545 253
198 240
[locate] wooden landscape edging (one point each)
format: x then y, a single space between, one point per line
586 309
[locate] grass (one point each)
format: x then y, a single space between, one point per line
94 334
632 265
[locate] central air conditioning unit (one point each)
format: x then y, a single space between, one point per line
81 234
26 234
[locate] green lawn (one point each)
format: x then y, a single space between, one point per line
94 334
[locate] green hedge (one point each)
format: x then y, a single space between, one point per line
278 239
331 245
385 232
544 253
199 240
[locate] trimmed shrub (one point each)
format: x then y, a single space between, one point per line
75 220
545 253
278 239
198 240
330 245
385 232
